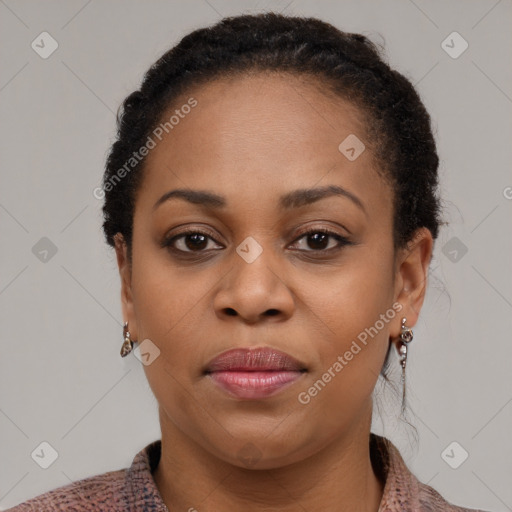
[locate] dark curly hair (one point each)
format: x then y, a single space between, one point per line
344 65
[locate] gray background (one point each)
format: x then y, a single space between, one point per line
61 377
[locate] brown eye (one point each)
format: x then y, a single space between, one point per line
322 240
189 241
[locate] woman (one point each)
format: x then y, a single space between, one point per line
272 201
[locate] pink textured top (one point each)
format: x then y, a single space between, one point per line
134 490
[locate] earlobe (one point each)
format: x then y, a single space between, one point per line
412 274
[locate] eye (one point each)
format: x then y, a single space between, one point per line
189 241
319 240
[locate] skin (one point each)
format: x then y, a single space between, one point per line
252 139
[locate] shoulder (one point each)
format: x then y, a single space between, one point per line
430 500
131 488
402 490
96 493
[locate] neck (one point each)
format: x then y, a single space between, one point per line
339 478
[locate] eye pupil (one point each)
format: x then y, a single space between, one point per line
199 241
318 238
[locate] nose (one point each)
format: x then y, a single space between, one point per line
254 291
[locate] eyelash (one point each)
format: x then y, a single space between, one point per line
342 241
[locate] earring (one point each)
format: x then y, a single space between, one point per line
128 343
406 336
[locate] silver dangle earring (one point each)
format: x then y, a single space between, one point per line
128 342
406 336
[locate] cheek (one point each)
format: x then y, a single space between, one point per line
353 311
352 296
163 295
166 306
168 310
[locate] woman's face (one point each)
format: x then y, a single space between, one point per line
251 278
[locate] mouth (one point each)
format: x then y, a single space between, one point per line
254 373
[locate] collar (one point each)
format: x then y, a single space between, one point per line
401 488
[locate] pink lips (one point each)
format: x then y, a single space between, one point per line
254 373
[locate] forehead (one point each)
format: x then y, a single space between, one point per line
260 115
277 131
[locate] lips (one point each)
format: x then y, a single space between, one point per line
254 373
259 359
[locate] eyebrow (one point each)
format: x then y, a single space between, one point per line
295 199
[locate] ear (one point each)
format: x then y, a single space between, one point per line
411 277
125 273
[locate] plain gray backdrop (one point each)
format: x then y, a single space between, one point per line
62 380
